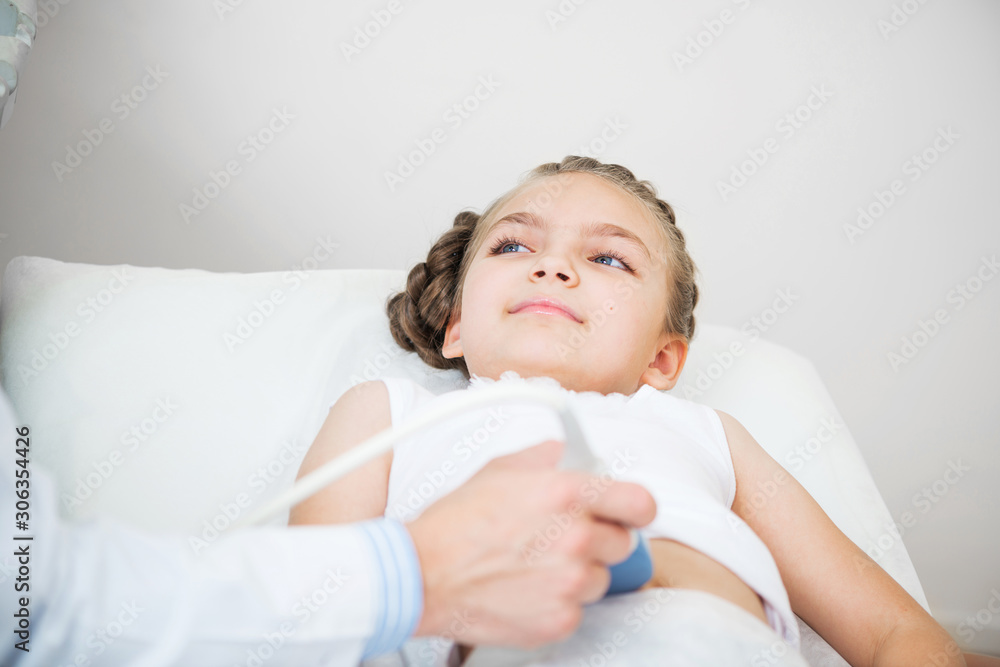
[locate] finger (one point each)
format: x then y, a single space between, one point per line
610 543
544 455
624 502
598 581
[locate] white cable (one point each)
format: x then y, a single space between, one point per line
577 454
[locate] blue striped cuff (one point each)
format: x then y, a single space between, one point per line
398 586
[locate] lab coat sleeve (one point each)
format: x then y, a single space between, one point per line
102 593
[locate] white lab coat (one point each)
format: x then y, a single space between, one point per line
103 593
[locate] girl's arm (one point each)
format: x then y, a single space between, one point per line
832 584
361 412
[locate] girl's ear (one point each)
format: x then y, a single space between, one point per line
665 368
452 346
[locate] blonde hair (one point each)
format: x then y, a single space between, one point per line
419 315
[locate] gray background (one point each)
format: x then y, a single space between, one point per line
684 126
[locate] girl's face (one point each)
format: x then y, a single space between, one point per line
577 240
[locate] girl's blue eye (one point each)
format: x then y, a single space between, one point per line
504 247
612 257
500 247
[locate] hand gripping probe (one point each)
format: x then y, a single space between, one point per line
628 575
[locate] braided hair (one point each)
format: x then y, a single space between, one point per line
419 315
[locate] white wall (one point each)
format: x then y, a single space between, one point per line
684 127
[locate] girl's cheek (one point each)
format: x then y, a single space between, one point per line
623 290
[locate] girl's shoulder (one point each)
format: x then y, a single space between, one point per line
680 414
405 396
662 403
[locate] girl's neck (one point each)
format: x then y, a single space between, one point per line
544 378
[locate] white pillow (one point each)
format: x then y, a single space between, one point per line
181 399
167 397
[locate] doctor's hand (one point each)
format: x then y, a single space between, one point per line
511 556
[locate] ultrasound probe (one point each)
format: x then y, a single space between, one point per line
628 575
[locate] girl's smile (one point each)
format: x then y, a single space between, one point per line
546 306
574 289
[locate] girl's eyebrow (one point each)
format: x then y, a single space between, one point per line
595 228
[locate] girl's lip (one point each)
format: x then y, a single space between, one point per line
546 305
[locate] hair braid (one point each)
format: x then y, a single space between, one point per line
419 315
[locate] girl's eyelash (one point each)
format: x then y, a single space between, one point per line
502 242
508 240
616 255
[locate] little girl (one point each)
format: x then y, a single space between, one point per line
579 279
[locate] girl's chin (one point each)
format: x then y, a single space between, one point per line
552 365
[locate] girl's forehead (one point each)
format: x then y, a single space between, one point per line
572 185
580 199
579 195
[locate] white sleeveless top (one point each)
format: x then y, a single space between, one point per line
675 448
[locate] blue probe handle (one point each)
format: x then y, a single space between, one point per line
637 569
634 571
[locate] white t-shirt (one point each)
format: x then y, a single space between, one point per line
675 448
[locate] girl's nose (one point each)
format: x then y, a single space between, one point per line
556 265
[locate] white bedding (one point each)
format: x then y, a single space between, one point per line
650 628
153 364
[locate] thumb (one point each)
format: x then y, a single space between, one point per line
544 455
